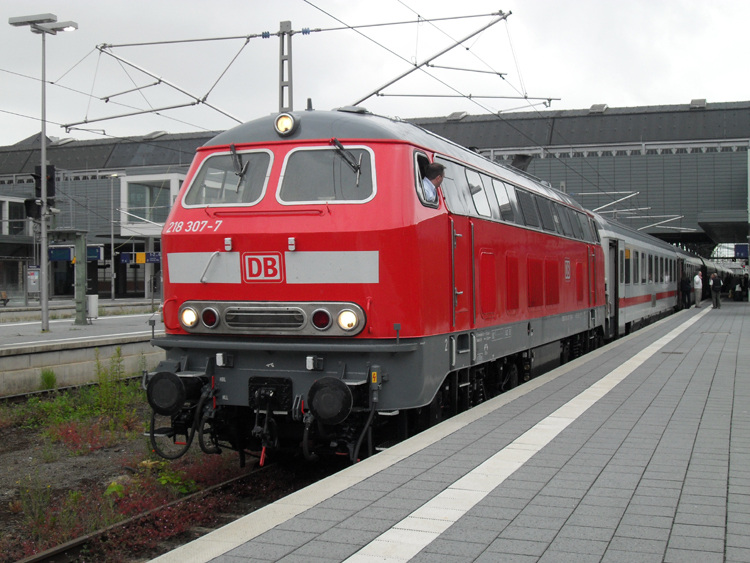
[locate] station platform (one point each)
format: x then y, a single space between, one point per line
637 452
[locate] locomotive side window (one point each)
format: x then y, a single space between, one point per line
330 175
548 221
528 209
450 187
230 179
478 195
583 221
576 224
564 220
503 201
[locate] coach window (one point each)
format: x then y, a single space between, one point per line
420 168
503 201
528 209
627 266
478 194
230 179
331 175
661 270
650 268
643 267
635 268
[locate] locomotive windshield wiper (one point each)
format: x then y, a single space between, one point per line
354 164
239 168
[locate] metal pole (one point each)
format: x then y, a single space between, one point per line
44 257
112 234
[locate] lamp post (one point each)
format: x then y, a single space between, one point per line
43 24
112 232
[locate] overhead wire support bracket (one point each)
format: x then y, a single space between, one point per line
500 17
69 126
106 99
103 49
500 74
616 201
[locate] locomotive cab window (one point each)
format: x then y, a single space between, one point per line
239 178
333 175
421 162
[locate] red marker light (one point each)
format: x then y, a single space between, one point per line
210 318
321 319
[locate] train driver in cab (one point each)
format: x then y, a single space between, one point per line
433 177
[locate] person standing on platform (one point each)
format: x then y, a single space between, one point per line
685 291
698 287
716 284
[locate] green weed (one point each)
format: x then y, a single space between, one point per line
49 380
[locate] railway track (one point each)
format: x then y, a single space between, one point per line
79 549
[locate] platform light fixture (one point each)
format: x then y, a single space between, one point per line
43 24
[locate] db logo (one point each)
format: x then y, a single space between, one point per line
262 267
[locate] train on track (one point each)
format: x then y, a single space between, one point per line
316 298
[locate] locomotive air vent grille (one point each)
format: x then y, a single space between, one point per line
264 318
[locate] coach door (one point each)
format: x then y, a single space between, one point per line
461 272
613 289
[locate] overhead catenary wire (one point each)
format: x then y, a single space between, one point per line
87 95
524 95
473 100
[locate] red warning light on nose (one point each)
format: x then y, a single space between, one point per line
321 319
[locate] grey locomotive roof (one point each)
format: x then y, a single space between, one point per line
357 123
668 123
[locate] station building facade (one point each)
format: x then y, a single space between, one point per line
119 191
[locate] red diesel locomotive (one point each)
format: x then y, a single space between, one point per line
315 299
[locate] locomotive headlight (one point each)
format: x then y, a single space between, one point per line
347 320
189 317
285 124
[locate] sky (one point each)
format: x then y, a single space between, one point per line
577 54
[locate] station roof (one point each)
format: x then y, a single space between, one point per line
155 149
597 125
